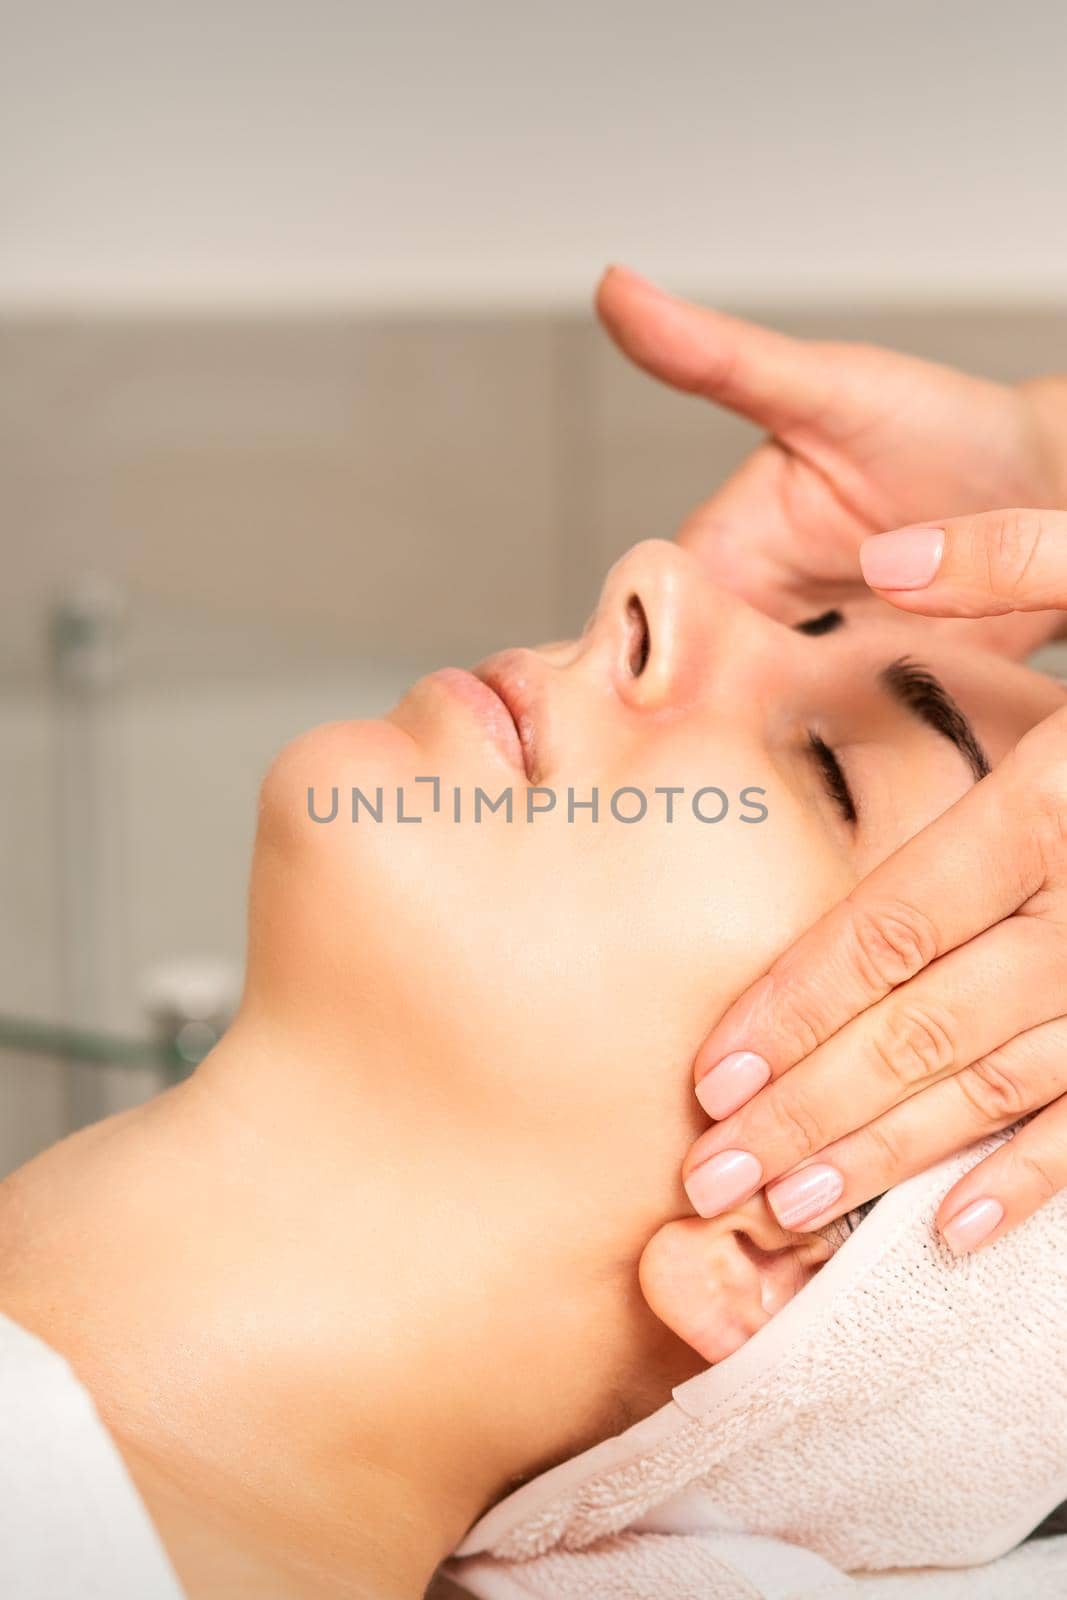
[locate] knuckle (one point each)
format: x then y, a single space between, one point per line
994 1088
802 1125
882 1157
1036 1175
804 1026
1042 750
1033 784
1051 827
891 943
797 1016
1045 763
1011 548
917 1044
724 371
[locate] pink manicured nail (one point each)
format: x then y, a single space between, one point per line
906 559
969 1227
805 1195
731 1082
720 1183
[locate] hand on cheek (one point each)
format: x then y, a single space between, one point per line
918 1016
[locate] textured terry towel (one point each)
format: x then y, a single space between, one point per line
908 1410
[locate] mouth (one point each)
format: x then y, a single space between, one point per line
507 675
489 708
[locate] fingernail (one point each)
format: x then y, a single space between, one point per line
906 559
731 1082
969 1227
720 1183
805 1195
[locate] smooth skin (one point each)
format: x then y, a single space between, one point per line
926 1010
379 1259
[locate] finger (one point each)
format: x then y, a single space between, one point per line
978 566
775 381
755 553
755 557
1011 1081
906 913
925 1031
1009 1185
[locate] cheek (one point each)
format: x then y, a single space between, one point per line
555 978
771 890
593 958
721 902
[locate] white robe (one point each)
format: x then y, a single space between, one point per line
71 1522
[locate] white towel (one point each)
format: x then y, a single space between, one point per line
709 1569
908 1410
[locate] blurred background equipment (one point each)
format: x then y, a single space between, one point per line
300 391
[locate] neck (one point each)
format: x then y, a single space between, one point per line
282 1318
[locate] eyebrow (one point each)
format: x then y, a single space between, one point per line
921 693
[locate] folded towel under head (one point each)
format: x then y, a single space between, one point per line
907 1409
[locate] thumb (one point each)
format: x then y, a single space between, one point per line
978 566
775 381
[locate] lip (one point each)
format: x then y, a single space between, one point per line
491 709
509 677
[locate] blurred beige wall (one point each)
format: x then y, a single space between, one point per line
478 153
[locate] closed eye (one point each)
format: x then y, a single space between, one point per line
833 777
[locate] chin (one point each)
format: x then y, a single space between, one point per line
334 756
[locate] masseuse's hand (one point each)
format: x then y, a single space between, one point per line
861 440
929 1008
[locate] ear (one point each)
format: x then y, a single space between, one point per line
716 1281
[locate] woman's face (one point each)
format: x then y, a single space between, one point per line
544 981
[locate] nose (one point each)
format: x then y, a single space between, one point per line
666 629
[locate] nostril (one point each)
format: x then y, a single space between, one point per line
640 639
